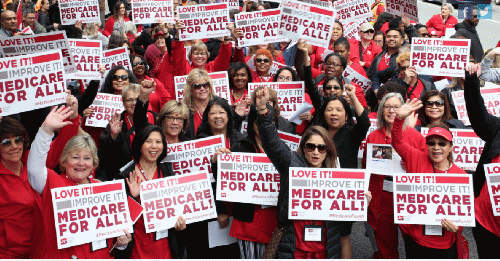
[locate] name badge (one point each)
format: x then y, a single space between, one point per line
433 230
313 233
387 185
161 234
100 244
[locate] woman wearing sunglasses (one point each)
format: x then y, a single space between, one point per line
263 60
381 210
366 48
316 150
436 109
438 159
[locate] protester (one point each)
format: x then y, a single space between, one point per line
382 19
437 109
92 32
441 22
387 58
30 20
148 150
422 31
277 55
487 73
456 84
379 39
78 160
162 66
366 48
8 24
43 17
239 77
377 8
467 28
438 159
117 21
318 53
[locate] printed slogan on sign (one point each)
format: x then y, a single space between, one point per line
72 11
220 81
491 97
105 105
492 172
149 12
259 27
290 95
203 21
438 57
87 57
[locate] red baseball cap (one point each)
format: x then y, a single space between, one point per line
438 131
158 34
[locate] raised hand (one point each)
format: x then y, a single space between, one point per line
87 112
124 239
262 99
56 119
218 152
133 185
448 225
147 87
241 107
115 125
72 103
408 108
180 224
302 46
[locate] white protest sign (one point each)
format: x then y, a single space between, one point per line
399 7
427 199
292 141
219 79
232 4
86 11
492 172
192 156
30 82
383 159
467 148
352 10
105 105
491 96
115 57
20 45
351 29
311 22
440 57
188 195
247 178
290 95
244 126
259 27
354 77
148 12
87 57
274 67
90 212
203 21
327 194
362 147
322 3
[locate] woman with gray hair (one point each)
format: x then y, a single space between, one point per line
443 20
380 210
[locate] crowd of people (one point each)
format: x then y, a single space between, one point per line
51 148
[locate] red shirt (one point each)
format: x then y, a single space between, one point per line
158 97
384 62
417 161
359 91
416 91
372 115
369 53
256 78
318 56
310 246
163 72
484 210
436 22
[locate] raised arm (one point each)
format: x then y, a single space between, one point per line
314 94
487 73
141 107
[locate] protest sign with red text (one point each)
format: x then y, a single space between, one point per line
30 44
90 212
327 194
492 172
272 71
322 3
491 97
292 141
427 199
87 57
30 82
259 27
307 21
408 8
351 29
354 77
352 10
191 156
232 4
188 195
440 57
247 178
115 57
86 11
467 147
149 11
219 79
362 147
105 105
203 21
290 95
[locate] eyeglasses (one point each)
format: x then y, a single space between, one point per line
285 78
310 147
335 87
389 107
205 85
332 64
130 101
430 104
8 142
259 60
403 68
475 16
118 77
138 63
200 54
424 34
440 144
370 31
174 119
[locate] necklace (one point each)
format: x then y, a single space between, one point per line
143 172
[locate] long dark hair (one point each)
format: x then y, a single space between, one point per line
424 119
132 58
205 127
295 76
331 156
116 7
141 137
381 20
236 67
107 87
321 121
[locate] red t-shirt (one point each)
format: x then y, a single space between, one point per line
384 62
369 53
310 246
415 92
484 210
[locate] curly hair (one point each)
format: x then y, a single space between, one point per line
107 87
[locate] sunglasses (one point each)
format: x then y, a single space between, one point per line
440 144
475 16
258 60
118 77
138 63
310 147
329 87
8 142
205 85
369 31
425 35
430 104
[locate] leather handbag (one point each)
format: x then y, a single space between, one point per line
271 250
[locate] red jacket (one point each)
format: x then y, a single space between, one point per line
318 56
437 23
368 53
484 210
163 72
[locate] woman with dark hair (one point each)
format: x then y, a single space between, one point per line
117 79
239 77
381 20
148 150
437 109
438 159
379 39
319 52
117 21
316 150
160 95
286 74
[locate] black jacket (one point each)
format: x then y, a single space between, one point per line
476 48
141 43
447 92
374 66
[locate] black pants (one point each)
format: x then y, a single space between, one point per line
416 251
486 242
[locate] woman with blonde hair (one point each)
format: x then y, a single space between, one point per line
91 32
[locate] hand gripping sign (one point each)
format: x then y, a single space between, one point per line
30 82
247 178
327 194
427 199
87 57
105 105
86 11
352 10
310 22
191 156
204 21
290 95
31 44
91 212
491 97
148 12
492 172
187 195
409 8
440 57
219 79
259 27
